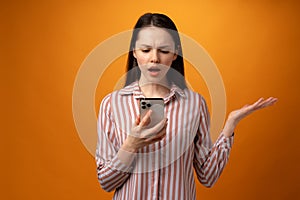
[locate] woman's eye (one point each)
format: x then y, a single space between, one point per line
164 51
145 50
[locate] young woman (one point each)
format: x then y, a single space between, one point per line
138 162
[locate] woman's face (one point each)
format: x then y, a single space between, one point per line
155 52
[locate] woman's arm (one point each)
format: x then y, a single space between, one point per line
209 161
112 171
114 165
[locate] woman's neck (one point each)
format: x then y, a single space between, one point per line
155 90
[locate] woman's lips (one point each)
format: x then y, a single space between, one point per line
154 71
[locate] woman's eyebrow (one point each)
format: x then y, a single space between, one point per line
145 45
149 46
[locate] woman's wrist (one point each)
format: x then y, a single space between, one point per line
126 157
127 146
229 128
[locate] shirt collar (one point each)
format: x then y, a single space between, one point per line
135 90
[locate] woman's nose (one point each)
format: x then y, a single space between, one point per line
154 56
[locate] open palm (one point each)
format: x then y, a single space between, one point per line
237 115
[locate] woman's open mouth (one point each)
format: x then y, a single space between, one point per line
154 71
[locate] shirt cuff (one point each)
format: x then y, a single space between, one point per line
123 161
225 142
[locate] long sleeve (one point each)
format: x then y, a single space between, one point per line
112 173
209 160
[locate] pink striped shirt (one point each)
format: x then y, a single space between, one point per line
163 170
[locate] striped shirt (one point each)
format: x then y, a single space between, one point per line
165 169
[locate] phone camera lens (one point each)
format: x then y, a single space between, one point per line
143 107
143 103
148 105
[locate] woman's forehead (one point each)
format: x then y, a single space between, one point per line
154 36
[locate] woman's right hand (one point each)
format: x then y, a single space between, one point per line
141 136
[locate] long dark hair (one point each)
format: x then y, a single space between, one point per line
176 75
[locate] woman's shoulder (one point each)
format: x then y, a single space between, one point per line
195 98
193 94
120 93
110 95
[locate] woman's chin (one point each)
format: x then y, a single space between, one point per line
154 80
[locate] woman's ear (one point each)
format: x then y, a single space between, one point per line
133 52
175 56
175 53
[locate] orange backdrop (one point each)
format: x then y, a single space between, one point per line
255 45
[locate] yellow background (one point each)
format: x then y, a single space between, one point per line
255 45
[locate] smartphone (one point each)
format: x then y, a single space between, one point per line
156 105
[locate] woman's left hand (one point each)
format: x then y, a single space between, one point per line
237 115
